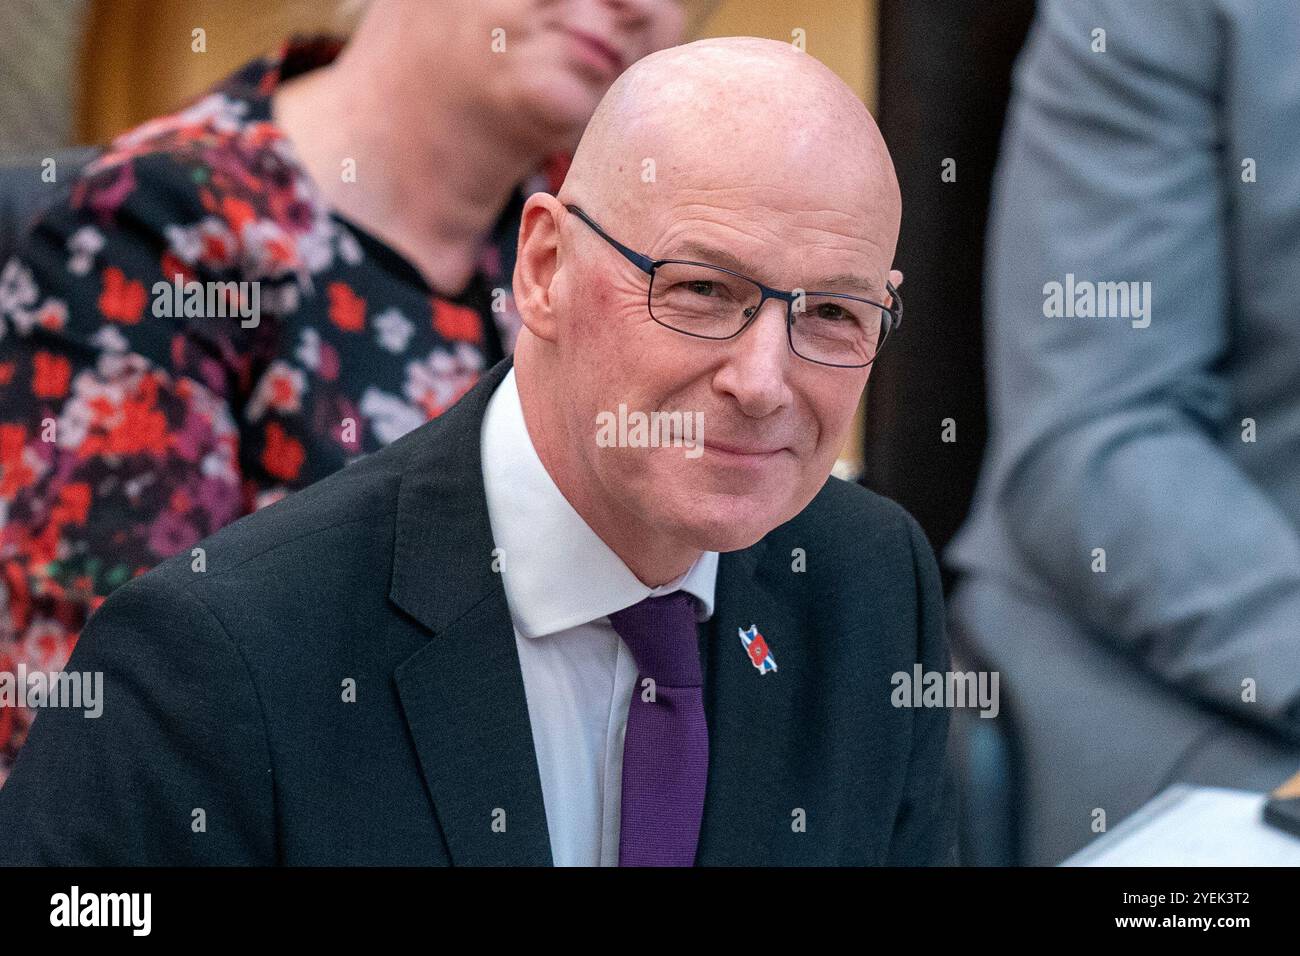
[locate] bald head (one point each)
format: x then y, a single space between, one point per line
743 154
739 113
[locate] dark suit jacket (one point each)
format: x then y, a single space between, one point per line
224 690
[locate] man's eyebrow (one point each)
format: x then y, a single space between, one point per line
711 255
844 280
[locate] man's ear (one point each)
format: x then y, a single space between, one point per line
537 261
895 279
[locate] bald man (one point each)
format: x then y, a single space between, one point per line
611 609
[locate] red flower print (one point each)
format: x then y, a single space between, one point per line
457 323
237 212
173 266
282 392
136 426
15 473
12 440
347 309
122 300
260 135
50 375
6 372
280 253
73 504
53 315
283 455
215 248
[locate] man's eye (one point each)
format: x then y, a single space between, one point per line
701 287
834 313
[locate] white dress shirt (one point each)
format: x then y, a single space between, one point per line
561 582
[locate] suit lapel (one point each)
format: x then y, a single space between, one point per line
744 709
462 692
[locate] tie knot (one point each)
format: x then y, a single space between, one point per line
662 636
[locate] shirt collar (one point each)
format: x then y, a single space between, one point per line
557 572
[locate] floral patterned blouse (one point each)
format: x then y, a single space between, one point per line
126 437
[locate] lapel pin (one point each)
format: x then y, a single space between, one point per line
756 648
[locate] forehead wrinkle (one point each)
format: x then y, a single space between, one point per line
742 222
717 253
836 282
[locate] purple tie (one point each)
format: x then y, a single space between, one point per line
666 748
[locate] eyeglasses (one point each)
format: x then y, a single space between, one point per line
710 302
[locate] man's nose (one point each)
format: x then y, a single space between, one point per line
758 362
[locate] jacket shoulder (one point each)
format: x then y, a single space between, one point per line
848 518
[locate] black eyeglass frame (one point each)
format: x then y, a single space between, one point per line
649 267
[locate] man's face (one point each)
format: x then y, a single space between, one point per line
773 422
548 62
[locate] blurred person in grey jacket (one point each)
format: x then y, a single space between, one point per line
1132 561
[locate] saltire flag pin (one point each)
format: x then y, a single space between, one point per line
756 648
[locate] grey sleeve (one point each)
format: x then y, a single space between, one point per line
175 768
1113 169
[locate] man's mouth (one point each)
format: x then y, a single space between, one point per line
752 451
597 52
741 456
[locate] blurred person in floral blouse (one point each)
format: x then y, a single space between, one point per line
365 198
